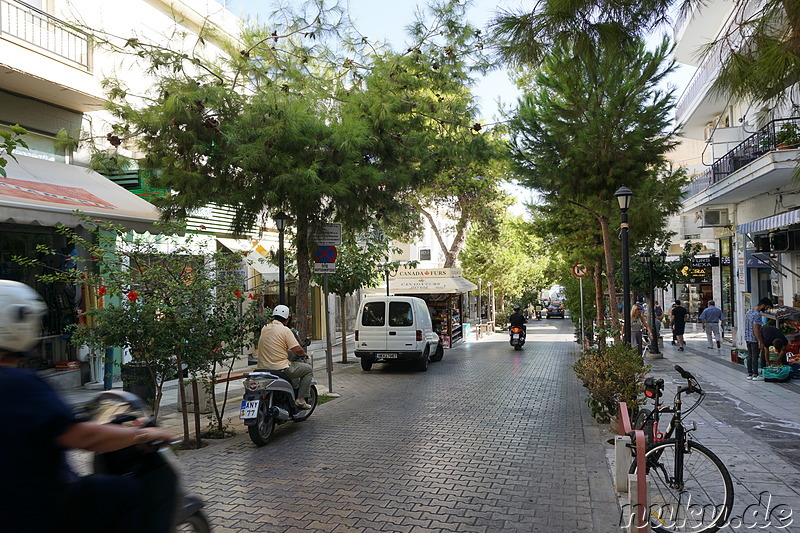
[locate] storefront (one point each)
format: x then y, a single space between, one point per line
444 290
37 196
696 291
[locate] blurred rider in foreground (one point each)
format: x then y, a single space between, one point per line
38 491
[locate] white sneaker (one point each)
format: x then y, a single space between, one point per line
749 376
758 378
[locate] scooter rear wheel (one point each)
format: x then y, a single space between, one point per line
197 523
262 430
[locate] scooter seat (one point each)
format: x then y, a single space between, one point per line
277 373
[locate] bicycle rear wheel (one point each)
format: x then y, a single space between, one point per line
702 504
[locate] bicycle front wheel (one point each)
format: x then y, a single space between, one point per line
702 502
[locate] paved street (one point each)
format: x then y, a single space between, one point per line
487 440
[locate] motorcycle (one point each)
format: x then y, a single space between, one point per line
516 336
269 397
538 315
169 507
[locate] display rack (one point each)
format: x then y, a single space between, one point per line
446 316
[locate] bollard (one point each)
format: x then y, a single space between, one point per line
622 459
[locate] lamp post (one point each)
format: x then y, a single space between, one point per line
280 222
624 195
490 304
650 261
385 267
480 302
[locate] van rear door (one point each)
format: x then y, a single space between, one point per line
372 329
402 335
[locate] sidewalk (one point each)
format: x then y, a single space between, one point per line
753 426
172 420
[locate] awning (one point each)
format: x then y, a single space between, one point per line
773 222
252 252
47 193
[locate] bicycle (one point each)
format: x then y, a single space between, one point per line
689 488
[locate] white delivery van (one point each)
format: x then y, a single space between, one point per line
396 328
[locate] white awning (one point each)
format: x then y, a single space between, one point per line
452 285
773 222
252 253
47 193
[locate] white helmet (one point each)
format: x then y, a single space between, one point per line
281 311
21 310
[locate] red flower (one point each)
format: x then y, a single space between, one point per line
133 296
101 291
238 293
251 296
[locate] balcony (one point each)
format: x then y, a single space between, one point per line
28 24
776 138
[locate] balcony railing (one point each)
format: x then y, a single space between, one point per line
781 133
44 31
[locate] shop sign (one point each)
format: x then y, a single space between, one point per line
725 261
702 262
427 273
697 274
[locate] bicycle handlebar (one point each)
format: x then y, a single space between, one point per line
692 385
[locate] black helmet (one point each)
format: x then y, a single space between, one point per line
516 308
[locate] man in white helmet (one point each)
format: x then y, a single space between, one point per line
38 491
274 345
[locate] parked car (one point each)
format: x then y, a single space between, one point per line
556 308
390 329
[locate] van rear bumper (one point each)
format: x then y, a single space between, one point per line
387 356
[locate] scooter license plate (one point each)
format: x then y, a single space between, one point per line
516 336
249 409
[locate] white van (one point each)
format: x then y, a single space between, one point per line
396 328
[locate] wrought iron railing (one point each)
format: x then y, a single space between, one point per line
44 31
778 134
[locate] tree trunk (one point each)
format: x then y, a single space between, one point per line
343 308
612 285
451 252
598 301
196 401
303 276
182 397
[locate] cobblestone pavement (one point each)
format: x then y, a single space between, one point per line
486 440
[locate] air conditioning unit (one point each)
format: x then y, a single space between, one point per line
761 243
715 217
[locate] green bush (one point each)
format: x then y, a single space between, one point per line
612 374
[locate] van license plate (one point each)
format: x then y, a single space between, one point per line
389 356
249 409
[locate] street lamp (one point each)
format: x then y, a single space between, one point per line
385 267
624 195
280 222
651 261
489 312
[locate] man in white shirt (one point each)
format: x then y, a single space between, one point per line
274 345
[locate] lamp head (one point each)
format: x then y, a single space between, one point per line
280 220
624 195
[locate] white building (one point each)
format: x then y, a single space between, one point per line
51 73
741 204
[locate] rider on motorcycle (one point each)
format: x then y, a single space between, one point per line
275 342
39 491
517 319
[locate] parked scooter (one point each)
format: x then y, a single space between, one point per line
269 397
516 336
168 507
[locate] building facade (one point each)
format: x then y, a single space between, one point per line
742 204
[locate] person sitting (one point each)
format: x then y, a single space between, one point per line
517 319
274 345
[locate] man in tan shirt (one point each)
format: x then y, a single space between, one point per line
274 345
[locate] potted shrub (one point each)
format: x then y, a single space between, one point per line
788 136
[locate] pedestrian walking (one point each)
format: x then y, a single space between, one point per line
638 325
659 314
752 336
711 317
678 318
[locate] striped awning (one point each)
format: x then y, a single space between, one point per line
773 222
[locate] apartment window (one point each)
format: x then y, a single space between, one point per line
39 146
425 254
